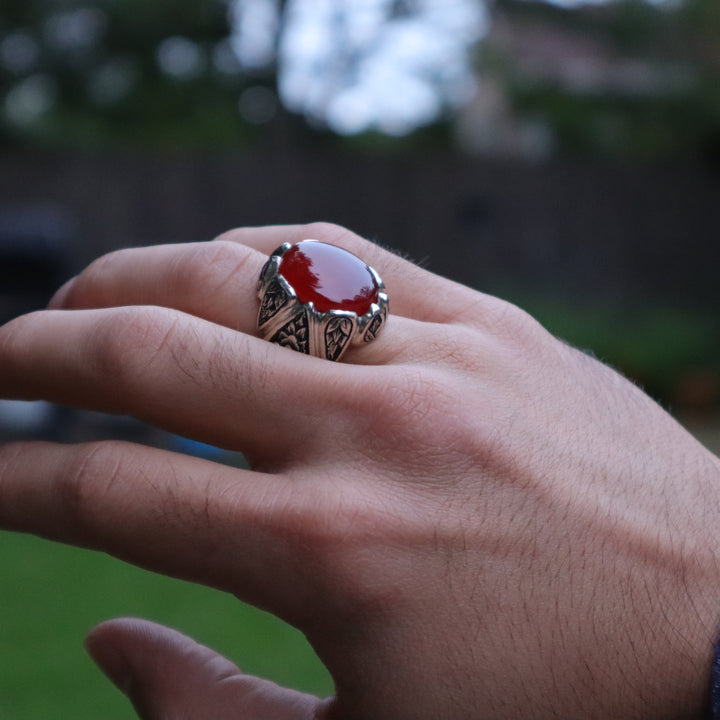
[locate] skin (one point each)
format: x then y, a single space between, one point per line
467 518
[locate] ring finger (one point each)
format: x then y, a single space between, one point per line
215 281
218 280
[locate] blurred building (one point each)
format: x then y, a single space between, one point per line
620 78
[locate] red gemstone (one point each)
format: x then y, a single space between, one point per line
329 277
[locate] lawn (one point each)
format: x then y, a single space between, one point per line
50 595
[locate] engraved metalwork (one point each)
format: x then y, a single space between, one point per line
284 320
273 299
373 328
294 335
337 334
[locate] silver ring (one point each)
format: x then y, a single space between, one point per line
319 299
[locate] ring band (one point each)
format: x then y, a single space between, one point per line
319 299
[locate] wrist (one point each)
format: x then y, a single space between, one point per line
671 604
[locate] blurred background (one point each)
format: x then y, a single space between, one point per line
564 155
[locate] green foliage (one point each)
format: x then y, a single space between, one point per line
685 124
649 77
98 63
655 344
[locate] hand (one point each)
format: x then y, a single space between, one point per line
467 517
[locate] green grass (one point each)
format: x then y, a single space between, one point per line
51 595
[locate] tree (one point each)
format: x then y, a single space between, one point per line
127 71
172 72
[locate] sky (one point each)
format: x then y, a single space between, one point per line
352 66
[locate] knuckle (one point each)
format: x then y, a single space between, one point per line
98 274
515 325
127 340
450 346
327 232
396 420
104 265
418 420
86 478
412 397
13 332
204 267
10 454
341 541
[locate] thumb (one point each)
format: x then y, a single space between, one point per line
168 676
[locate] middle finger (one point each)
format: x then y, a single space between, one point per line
181 373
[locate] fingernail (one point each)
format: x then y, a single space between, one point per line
58 299
112 662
